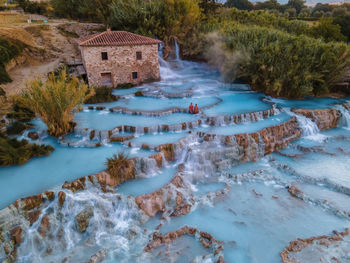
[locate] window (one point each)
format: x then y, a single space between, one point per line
138 55
134 75
104 56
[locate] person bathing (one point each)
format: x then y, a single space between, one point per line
196 110
190 109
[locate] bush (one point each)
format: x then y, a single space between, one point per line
281 64
125 86
16 127
8 50
19 112
139 94
102 94
14 152
120 167
54 101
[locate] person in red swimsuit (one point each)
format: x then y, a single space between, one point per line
190 109
196 110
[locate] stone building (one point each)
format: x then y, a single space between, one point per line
118 57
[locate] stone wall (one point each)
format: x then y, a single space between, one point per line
121 63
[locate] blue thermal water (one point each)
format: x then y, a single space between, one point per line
162 138
256 217
238 103
105 120
249 127
64 164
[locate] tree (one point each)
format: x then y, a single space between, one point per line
291 12
54 101
305 12
240 4
328 31
344 23
339 11
297 4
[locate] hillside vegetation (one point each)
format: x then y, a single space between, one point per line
267 45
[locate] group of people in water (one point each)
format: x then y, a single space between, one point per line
193 110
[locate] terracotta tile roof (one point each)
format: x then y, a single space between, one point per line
116 38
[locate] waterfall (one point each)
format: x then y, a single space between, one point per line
345 117
177 50
164 67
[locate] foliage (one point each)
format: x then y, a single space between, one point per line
54 101
8 50
239 4
298 5
41 8
19 112
2 93
139 93
14 152
328 31
102 94
118 165
282 64
162 18
125 86
15 127
344 23
90 10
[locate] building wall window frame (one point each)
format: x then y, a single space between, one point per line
104 55
134 75
138 55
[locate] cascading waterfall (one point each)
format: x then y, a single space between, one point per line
177 50
345 117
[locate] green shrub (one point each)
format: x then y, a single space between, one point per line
138 93
19 112
125 86
16 127
14 152
120 167
8 50
102 94
281 64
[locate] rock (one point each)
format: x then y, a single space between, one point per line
83 218
299 244
92 134
168 151
33 135
100 107
76 185
145 146
99 256
16 235
49 195
44 227
31 202
121 138
61 198
152 203
33 216
324 118
127 172
294 191
159 239
159 159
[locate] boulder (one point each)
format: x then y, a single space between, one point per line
83 218
31 202
61 198
33 135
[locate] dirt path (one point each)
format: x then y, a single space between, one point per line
61 49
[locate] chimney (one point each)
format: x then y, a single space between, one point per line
108 28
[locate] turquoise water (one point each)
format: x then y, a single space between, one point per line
105 120
238 103
247 206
